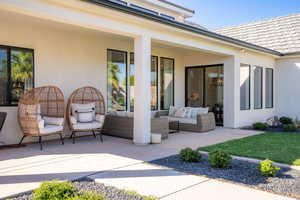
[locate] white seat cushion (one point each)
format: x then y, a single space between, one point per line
51 129
181 120
88 126
53 121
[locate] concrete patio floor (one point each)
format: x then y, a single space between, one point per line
119 163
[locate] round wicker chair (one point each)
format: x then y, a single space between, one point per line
85 96
41 112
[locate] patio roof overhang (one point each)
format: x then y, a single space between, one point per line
182 26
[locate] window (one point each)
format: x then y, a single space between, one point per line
245 76
269 88
258 91
154 82
166 83
117 80
167 16
16 73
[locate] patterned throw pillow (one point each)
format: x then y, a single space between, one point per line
172 111
181 112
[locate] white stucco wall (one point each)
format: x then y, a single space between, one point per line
70 58
288 87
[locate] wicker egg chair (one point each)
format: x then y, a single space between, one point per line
41 112
83 96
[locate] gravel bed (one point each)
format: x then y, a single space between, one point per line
287 181
111 193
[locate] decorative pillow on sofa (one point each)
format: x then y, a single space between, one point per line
181 113
198 111
80 108
172 111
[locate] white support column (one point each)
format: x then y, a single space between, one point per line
142 91
232 91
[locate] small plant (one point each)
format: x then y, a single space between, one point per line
286 120
189 155
219 159
54 190
289 127
88 195
267 168
297 162
260 126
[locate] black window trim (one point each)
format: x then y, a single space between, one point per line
262 87
9 49
272 95
126 63
161 99
249 66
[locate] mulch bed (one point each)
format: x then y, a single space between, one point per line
111 193
286 182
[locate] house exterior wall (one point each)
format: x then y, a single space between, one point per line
244 117
287 87
70 59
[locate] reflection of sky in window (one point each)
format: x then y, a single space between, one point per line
122 73
2 57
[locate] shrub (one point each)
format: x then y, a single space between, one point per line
297 162
289 127
189 155
267 168
88 195
219 159
286 120
260 126
54 190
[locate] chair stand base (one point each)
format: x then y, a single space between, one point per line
73 135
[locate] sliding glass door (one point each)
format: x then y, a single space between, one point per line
204 88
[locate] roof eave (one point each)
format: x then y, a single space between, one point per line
182 26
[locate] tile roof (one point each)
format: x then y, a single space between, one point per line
281 33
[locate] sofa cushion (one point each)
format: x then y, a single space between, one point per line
172 111
181 112
53 121
88 126
187 120
51 129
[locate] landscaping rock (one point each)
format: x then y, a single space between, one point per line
287 181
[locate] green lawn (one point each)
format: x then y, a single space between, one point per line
279 147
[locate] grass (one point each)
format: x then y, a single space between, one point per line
279 147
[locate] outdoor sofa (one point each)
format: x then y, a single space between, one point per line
203 122
121 125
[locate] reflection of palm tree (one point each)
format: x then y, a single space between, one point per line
21 72
117 92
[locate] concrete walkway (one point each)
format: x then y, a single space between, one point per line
119 163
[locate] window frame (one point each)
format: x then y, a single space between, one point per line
9 49
250 77
262 87
272 94
126 78
160 84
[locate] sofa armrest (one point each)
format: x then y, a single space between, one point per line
162 113
206 121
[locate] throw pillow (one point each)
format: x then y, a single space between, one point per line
180 113
77 107
172 111
85 116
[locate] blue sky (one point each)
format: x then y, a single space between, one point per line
215 14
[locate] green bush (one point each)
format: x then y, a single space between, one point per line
54 190
289 127
260 126
88 195
286 120
267 168
219 159
189 155
297 162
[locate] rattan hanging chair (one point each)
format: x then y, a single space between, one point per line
86 101
41 112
